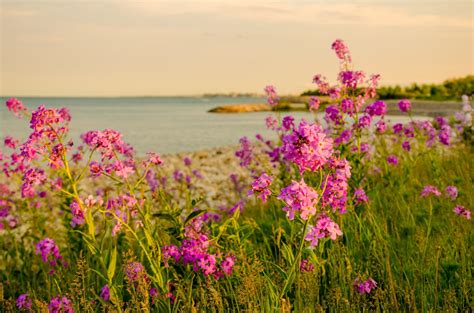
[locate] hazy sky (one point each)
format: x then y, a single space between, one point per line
179 47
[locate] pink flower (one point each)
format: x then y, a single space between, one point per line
228 264
245 154
406 146
307 146
60 305
16 106
360 196
306 266
10 142
341 49
451 192
272 97
135 271
427 190
392 159
381 126
105 293
260 186
462 211
154 158
122 170
49 251
299 198
314 103
32 177
325 228
404 105
23 302
366 286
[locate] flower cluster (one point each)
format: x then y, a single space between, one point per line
272 97
324 228
365 287
260 186
462 211
307 146
299 199
49 251
430 190
16 106
60 305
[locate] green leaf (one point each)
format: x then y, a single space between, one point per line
112 265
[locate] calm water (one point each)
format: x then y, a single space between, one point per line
163 125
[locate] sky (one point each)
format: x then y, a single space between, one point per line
190 47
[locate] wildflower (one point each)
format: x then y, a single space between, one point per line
332 114
444 135
462 211
307 146
260 186
106 142
451 192
228 264
135 271
366 286
351 79
323 85
397 128
49 251
60 305
288 123
154 158
299 198
245 153
344 137
95 169
306 266
428 189
122 170
16 106
341 49
381 126
392 159
272 97
77 214
187 161
406 146
314 103
404 105
335 185
325 228
271 122
378 108
105 293
360 196
23 302
10 142
364 121
32 177
347 105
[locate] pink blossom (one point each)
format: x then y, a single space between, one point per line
462 211
272 97
260 186
325 228
314 103
451 192
428 189
341 49
299 198
16 106
366 286
404 105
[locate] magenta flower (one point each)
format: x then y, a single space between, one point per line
299 198
260 186
154 158
360 196
397 128
347 106
406 146
333 114
16 106
307 146
344 137
245 153
392 159
23 302
122 170
228 264
314 103
306 266
77 214
32 177
428 189
444 135
135 271
366 286
49 251
325 228
288 123
335 189
451 192
462 211
10 142
341 49
378 108
105 293
381 126
364 121
272 97
404 105
60 305
95 169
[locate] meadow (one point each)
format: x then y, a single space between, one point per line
353 214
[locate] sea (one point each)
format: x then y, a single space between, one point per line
160 124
